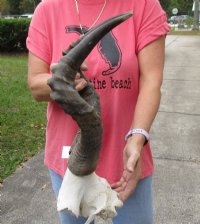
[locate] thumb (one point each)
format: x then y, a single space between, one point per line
84 66
78 76
132 162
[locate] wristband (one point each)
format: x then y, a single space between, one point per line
138 131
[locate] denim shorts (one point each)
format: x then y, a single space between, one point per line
137 209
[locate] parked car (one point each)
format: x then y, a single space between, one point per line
178 19
26 15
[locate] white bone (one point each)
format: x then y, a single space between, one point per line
88 196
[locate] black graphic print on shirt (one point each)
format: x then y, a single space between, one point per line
107 47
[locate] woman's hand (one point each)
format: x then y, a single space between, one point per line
80 83
39 74
132 171
151 63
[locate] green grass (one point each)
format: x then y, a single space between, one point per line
22 120
192 32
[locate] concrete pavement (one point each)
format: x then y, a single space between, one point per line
26 196
176 135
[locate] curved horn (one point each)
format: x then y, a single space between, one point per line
84 106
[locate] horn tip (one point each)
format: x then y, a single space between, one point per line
128 14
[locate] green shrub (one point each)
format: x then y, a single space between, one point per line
13 33
189 21
181 26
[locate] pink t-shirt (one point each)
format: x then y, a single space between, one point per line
113 70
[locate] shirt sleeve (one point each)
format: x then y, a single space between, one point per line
37 41
153 24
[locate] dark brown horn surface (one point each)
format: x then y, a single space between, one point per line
83 106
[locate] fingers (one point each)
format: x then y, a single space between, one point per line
132 161
80 83
84 66
120 185
125 187
123 195
128 182
128 186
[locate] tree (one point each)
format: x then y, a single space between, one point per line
184 7
14 6
165 4
18 7
4 7
196 15
27 6
174 4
